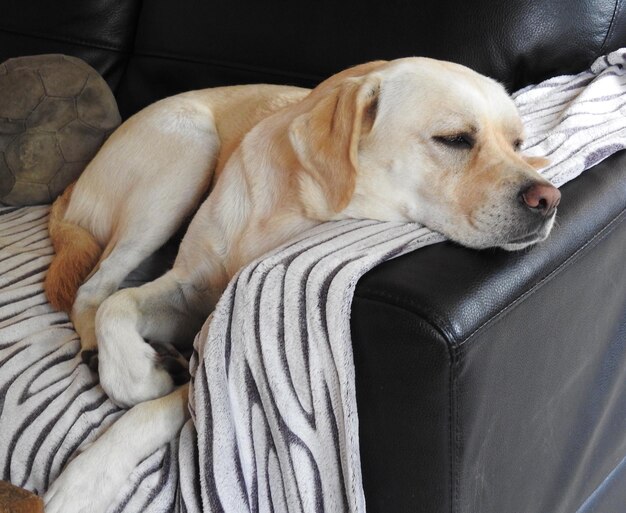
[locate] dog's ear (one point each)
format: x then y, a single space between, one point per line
326 137
537 162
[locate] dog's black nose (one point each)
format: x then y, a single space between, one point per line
540 197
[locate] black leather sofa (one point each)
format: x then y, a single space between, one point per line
487 381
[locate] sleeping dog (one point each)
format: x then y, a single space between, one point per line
413 140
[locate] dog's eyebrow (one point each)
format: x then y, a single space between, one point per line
461 128
456 121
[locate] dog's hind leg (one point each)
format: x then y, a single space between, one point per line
91 481
148 177
123 254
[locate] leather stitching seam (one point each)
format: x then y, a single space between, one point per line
452 403
593 241
71 40
237 66
611 27
439 323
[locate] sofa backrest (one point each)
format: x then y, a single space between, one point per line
155 48
101 32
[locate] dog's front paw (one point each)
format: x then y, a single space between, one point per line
172 361
134 380
89 484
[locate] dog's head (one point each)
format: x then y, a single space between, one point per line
427 141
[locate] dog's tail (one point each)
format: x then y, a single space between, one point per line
77 253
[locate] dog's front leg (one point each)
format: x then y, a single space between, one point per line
92 480
168 310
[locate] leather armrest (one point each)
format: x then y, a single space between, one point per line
492 381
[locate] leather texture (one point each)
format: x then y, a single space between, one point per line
101 32
486 381
193 44
495 381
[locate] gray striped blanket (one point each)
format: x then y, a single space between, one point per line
274 424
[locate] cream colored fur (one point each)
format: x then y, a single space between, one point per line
375 141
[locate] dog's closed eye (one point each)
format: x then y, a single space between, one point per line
461 141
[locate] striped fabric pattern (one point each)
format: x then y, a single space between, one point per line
274 423
577 120
50 403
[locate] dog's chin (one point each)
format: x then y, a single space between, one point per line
525 241
516 246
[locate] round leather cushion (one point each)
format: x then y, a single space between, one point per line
55 113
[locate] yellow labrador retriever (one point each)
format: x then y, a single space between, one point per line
407 140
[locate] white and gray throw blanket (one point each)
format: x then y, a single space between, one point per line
275 425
